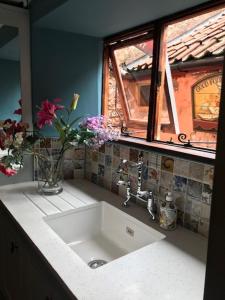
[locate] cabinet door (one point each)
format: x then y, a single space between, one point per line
24 274
41 282
13 262
2 252
3 291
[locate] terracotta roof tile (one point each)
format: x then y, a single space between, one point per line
207 39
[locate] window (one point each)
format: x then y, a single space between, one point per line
167 88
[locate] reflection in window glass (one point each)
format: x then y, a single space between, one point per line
130 86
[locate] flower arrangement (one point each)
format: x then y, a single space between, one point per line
18 141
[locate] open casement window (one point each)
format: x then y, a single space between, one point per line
191 60
127 88
164 84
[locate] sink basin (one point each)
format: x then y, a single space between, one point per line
100 233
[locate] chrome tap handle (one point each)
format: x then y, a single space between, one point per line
120 168
125 203
151 206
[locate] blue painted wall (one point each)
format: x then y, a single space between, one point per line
102 18
10 91
64 63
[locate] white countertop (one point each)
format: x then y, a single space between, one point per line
173 268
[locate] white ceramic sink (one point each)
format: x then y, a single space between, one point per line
101 231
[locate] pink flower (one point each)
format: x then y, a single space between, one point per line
6 170
19 110
47 113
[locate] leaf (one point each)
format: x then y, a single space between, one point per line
63 122
74 121
59 129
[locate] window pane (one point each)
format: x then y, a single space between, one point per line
191 65
129 87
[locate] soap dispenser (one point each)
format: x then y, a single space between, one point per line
168 213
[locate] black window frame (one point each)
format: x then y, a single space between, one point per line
157 28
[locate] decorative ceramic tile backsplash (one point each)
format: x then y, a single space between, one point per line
190 182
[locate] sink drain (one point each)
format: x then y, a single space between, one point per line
96 263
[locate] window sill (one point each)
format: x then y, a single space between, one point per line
175 150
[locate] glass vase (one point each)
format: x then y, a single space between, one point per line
50 174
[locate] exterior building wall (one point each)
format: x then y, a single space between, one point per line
183 81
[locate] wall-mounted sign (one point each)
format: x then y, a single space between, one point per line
206 102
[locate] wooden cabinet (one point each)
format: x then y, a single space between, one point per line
24 273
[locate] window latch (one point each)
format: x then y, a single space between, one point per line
182 138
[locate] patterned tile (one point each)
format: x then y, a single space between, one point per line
179 184
78 173
94 167
78 164
146 157
180 217
188 207
166 180
101 170
88 154
101 181
203 227
115 188
107 184
108 160
191 222
205 211
124 152
69 154
116 150
153 175
94 178
145 172
208 175
196 208
196 171
194 189
190 182
207 194
102 149
154 160
179 199
133 182
101 158
109 149
68 169
115 162
79 153
134 154
95 156
181 167
167 164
